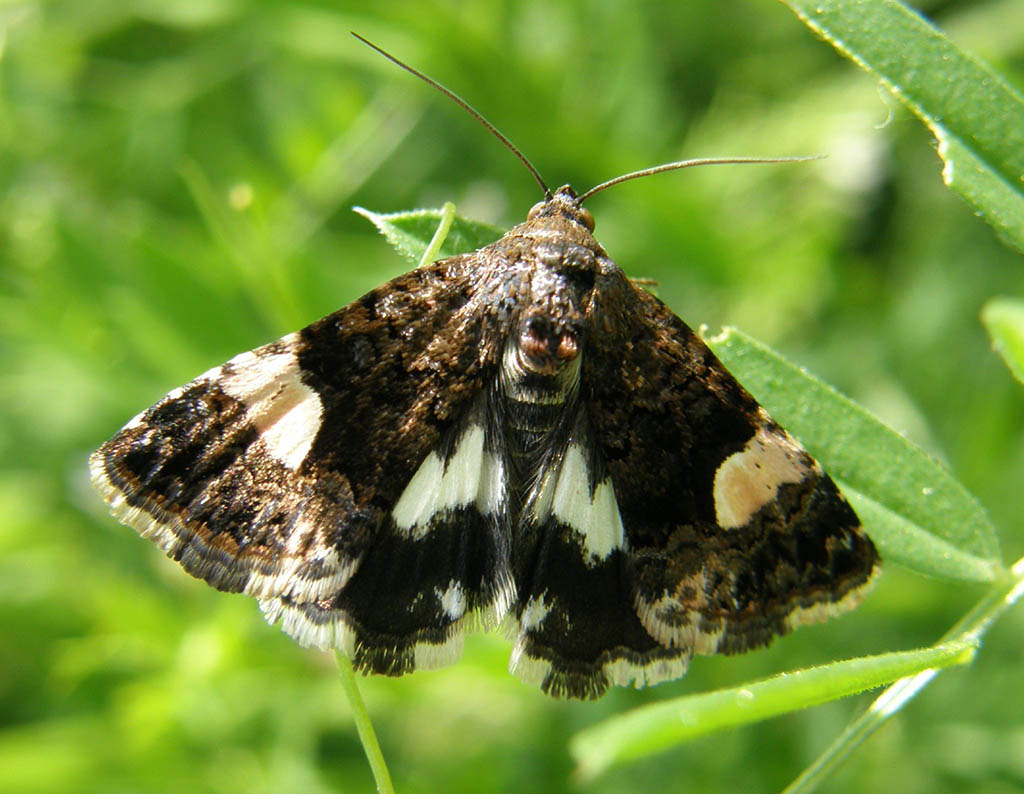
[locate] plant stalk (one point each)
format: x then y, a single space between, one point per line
363 725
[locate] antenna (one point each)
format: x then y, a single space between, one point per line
659 169
465 106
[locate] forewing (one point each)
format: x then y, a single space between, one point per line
277 473
735 533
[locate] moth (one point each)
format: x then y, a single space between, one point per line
519 437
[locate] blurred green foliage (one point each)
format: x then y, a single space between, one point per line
175 186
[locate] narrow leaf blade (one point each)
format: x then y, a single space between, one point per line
905 543
977 116
1001 202
650 729
1004 320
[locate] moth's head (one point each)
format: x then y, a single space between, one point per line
565 264
562 203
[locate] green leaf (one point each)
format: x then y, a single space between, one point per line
914 509
1004 320
902 541
411 232
977 116
650 729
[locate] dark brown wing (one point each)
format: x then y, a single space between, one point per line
734 532
274 473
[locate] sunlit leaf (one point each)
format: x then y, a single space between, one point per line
1004 321
976 115
410 232
654 728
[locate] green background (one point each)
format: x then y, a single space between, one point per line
175 186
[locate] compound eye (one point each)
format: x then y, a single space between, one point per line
586 218
535 210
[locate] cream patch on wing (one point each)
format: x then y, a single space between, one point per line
470 475
534 613
749 479
286 412
452 600
566 495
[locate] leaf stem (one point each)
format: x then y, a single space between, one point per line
970 627
363 725
434 248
